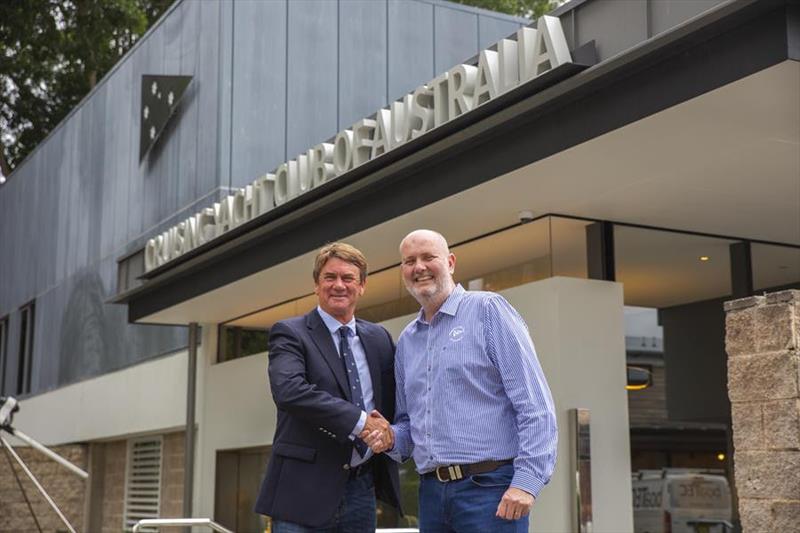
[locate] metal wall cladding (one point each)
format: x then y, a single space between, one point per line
270 80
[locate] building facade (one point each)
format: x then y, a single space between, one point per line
617 171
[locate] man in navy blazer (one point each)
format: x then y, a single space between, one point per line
332 378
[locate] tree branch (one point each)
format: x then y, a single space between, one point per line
4 167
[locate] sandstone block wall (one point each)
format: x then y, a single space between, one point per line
763 345
172 457
64 487
111 489
110 458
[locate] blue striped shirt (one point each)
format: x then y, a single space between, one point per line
470 389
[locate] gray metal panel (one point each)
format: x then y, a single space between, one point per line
311 93
71 172
410 46
362 59
666 14
25 278
152 57
93 178
206 86
115 130
45 365
135 169
492 29
455 37
121 156
225 101
614 25
187 116
49 184
259 89
170 138
63 137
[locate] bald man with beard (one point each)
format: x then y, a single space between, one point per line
473 406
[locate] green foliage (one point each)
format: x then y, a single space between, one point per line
531 9
53 53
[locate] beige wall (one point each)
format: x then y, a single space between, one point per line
145 398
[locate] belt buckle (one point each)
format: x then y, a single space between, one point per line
454 473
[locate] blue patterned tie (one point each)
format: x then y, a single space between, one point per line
352 378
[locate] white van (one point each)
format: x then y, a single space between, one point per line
681 501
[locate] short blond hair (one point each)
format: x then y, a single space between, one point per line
345 252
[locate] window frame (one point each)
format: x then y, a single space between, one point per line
27 328
4 323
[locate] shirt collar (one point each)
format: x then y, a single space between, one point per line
333 324
450 305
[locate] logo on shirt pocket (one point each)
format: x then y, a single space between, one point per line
457 333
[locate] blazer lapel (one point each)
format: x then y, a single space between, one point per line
372 351
322 338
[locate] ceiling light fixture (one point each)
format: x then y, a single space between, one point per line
704 258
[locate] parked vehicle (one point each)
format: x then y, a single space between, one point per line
681 501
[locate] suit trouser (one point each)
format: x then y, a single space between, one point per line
355 513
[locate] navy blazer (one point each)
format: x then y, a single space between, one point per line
311 451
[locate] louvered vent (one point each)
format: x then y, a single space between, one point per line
143 482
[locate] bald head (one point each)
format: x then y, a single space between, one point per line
426 235
427 267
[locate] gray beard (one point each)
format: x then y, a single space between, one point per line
437 297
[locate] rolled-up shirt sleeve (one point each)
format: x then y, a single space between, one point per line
511 350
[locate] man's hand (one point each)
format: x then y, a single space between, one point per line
377 433
515 504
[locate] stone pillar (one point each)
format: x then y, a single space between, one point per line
763 345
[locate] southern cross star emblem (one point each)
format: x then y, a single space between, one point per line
157 109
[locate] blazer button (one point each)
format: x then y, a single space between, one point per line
346 466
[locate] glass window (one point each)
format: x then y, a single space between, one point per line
775 267
25 365
551 246
3 353
663 269
236 342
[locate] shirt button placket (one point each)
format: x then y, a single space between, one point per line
428 421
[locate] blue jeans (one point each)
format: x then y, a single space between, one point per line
468 505
355 514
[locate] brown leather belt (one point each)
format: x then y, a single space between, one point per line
456 472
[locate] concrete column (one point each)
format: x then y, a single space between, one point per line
763 344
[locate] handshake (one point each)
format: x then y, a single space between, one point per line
377 433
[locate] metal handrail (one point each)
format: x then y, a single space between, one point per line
175 522
180 522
